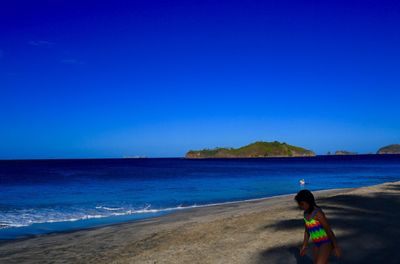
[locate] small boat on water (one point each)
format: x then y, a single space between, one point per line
302 182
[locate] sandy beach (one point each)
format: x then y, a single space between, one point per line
365 220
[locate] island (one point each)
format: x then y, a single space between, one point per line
390 149
260 149
345 152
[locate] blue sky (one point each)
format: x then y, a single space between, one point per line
157 78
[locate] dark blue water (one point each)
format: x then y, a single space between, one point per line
45 196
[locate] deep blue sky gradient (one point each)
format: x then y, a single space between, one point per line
157 78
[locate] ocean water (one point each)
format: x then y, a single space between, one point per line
44 196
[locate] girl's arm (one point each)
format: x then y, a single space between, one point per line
324 222
303 249
306 237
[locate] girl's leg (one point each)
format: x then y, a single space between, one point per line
315 253
323 253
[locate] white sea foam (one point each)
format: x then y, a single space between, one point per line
109 208
27 217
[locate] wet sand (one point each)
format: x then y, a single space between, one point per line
365 220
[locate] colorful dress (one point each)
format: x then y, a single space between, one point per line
316 230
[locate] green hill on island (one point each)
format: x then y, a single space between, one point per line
391 149
258 149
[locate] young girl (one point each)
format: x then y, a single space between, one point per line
316 227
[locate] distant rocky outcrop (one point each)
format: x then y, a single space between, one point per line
258 149
345 152
390 149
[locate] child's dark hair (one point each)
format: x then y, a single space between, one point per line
308 197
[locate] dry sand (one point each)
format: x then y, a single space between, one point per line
365 220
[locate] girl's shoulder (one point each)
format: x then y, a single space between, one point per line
309 216
319 213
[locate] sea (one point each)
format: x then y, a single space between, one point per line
46 196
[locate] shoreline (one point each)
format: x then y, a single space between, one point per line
266 230
168 211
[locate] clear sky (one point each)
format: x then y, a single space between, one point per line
157 78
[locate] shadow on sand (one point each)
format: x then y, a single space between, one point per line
369 225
